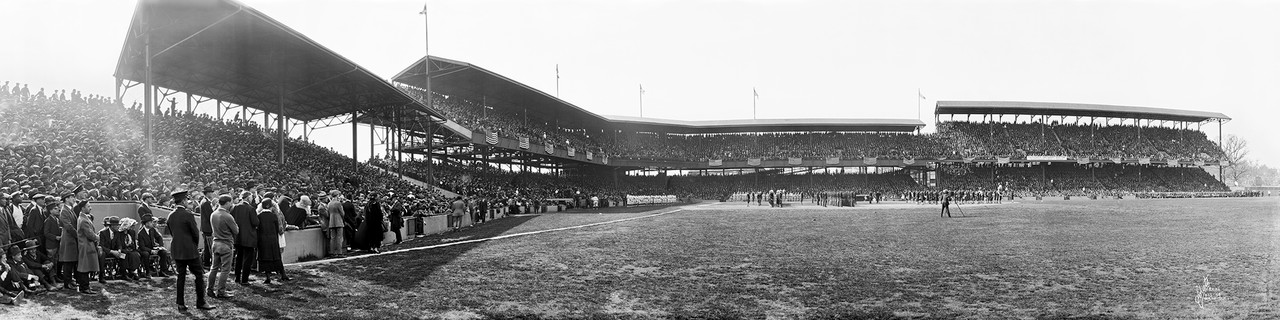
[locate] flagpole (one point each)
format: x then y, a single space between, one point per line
754 97
426 70
557 80
642 100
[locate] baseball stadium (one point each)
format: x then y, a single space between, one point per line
491 199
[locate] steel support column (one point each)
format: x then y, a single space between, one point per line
355 164
280 125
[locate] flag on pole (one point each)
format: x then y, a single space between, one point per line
642 89
755 93
557 71
921 95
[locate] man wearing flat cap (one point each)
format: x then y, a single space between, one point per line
52 233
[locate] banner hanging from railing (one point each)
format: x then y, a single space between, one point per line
870 161
908 161
833 160
524 142
715 163
1002 160
590 155
753 161
1144 160
571 153
604 159
969 159
1084 160
551 149
1117 160
648 200
1174 162
794 161
491 137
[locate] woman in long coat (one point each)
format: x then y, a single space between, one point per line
371 230
270 228
88 246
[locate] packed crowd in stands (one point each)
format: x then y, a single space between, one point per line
508 124
1082 180
1019 140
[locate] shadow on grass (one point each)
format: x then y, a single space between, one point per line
405 271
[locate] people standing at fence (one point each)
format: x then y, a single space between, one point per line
226 235
185 232
350 221
334 228
246 219
272 229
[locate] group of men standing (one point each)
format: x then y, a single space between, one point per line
54 240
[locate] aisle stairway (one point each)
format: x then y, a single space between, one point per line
420 183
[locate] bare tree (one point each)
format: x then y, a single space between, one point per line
1236 149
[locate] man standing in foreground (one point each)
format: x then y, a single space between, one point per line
225 233
182 225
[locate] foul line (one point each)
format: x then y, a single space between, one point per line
480 240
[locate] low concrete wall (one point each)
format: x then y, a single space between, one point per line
299 243
310 241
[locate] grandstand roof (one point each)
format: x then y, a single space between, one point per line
226 50
1074 109
763 125
456 78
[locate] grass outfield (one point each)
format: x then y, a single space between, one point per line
1178 258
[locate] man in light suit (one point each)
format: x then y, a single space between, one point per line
336 226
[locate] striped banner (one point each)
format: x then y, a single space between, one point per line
869 161
1144 160
604 159
1174 162
524 143
715 163
833 161
908 161
1002 160
571 153
1084 160
753 161
590 155
491 137
794 161
551 149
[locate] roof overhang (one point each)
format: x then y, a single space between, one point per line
1074 109
225 50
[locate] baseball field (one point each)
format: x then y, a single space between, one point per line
1090 259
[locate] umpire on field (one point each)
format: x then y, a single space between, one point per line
946 203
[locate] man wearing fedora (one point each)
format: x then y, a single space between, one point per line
34 219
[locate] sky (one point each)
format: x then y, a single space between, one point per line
701 59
